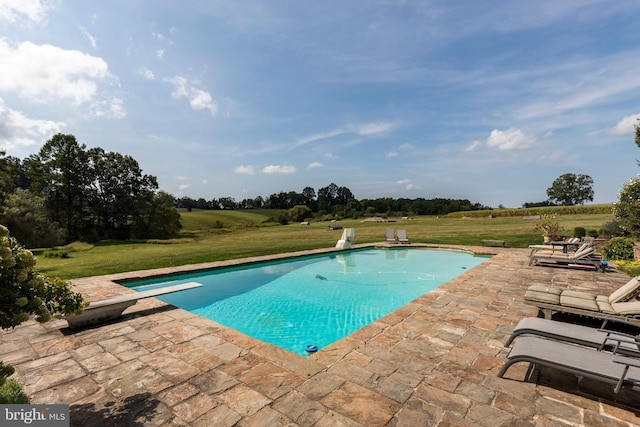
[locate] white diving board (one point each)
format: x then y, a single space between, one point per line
111 308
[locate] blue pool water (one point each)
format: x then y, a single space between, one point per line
314 300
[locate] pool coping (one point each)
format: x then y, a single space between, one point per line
431 362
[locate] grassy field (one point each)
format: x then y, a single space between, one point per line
220 235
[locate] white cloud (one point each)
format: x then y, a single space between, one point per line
407 184
198 98
391 154
626 125
318 136
18 130
279 169
244 170
111 108
472 146
31 10
183 187
315 165
365 129
44 73
160 53
376 128
146 73
510 139
407 146
89 37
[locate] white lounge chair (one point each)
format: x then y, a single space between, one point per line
390 236
402 236
111 308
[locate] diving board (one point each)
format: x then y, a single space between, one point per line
111 308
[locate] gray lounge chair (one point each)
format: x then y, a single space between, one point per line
602 339
580 361
402 236
111 308
390 236
620 305
585 255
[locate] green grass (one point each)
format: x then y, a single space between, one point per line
244 234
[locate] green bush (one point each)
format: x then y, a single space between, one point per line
620 248
11 393
611 229
579 232
593 233
56 254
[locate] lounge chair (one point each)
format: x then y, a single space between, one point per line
581 361
390 236
402 236
620 305
585 256
111 308
578 334
557 248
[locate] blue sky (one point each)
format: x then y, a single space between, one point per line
488 101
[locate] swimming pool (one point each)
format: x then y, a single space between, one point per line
314 300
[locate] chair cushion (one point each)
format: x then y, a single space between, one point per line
583 303
605 307
578 294
540 293
627 308
625 292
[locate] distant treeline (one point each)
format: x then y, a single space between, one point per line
336 201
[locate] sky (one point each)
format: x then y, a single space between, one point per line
487 101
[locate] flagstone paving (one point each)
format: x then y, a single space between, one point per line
432 362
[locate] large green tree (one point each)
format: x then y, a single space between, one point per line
118 191
60 173
571 189
156 217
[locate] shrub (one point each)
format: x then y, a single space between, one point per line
611 229
11 393
619 248
56 254
593 233
579 232
627 209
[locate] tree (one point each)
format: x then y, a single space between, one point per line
23 212
299 213
627 210
158 218
637 127
24 292
117 191
571 189
60 173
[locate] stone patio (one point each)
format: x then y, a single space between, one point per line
432 362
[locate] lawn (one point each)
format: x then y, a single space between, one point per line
220 235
